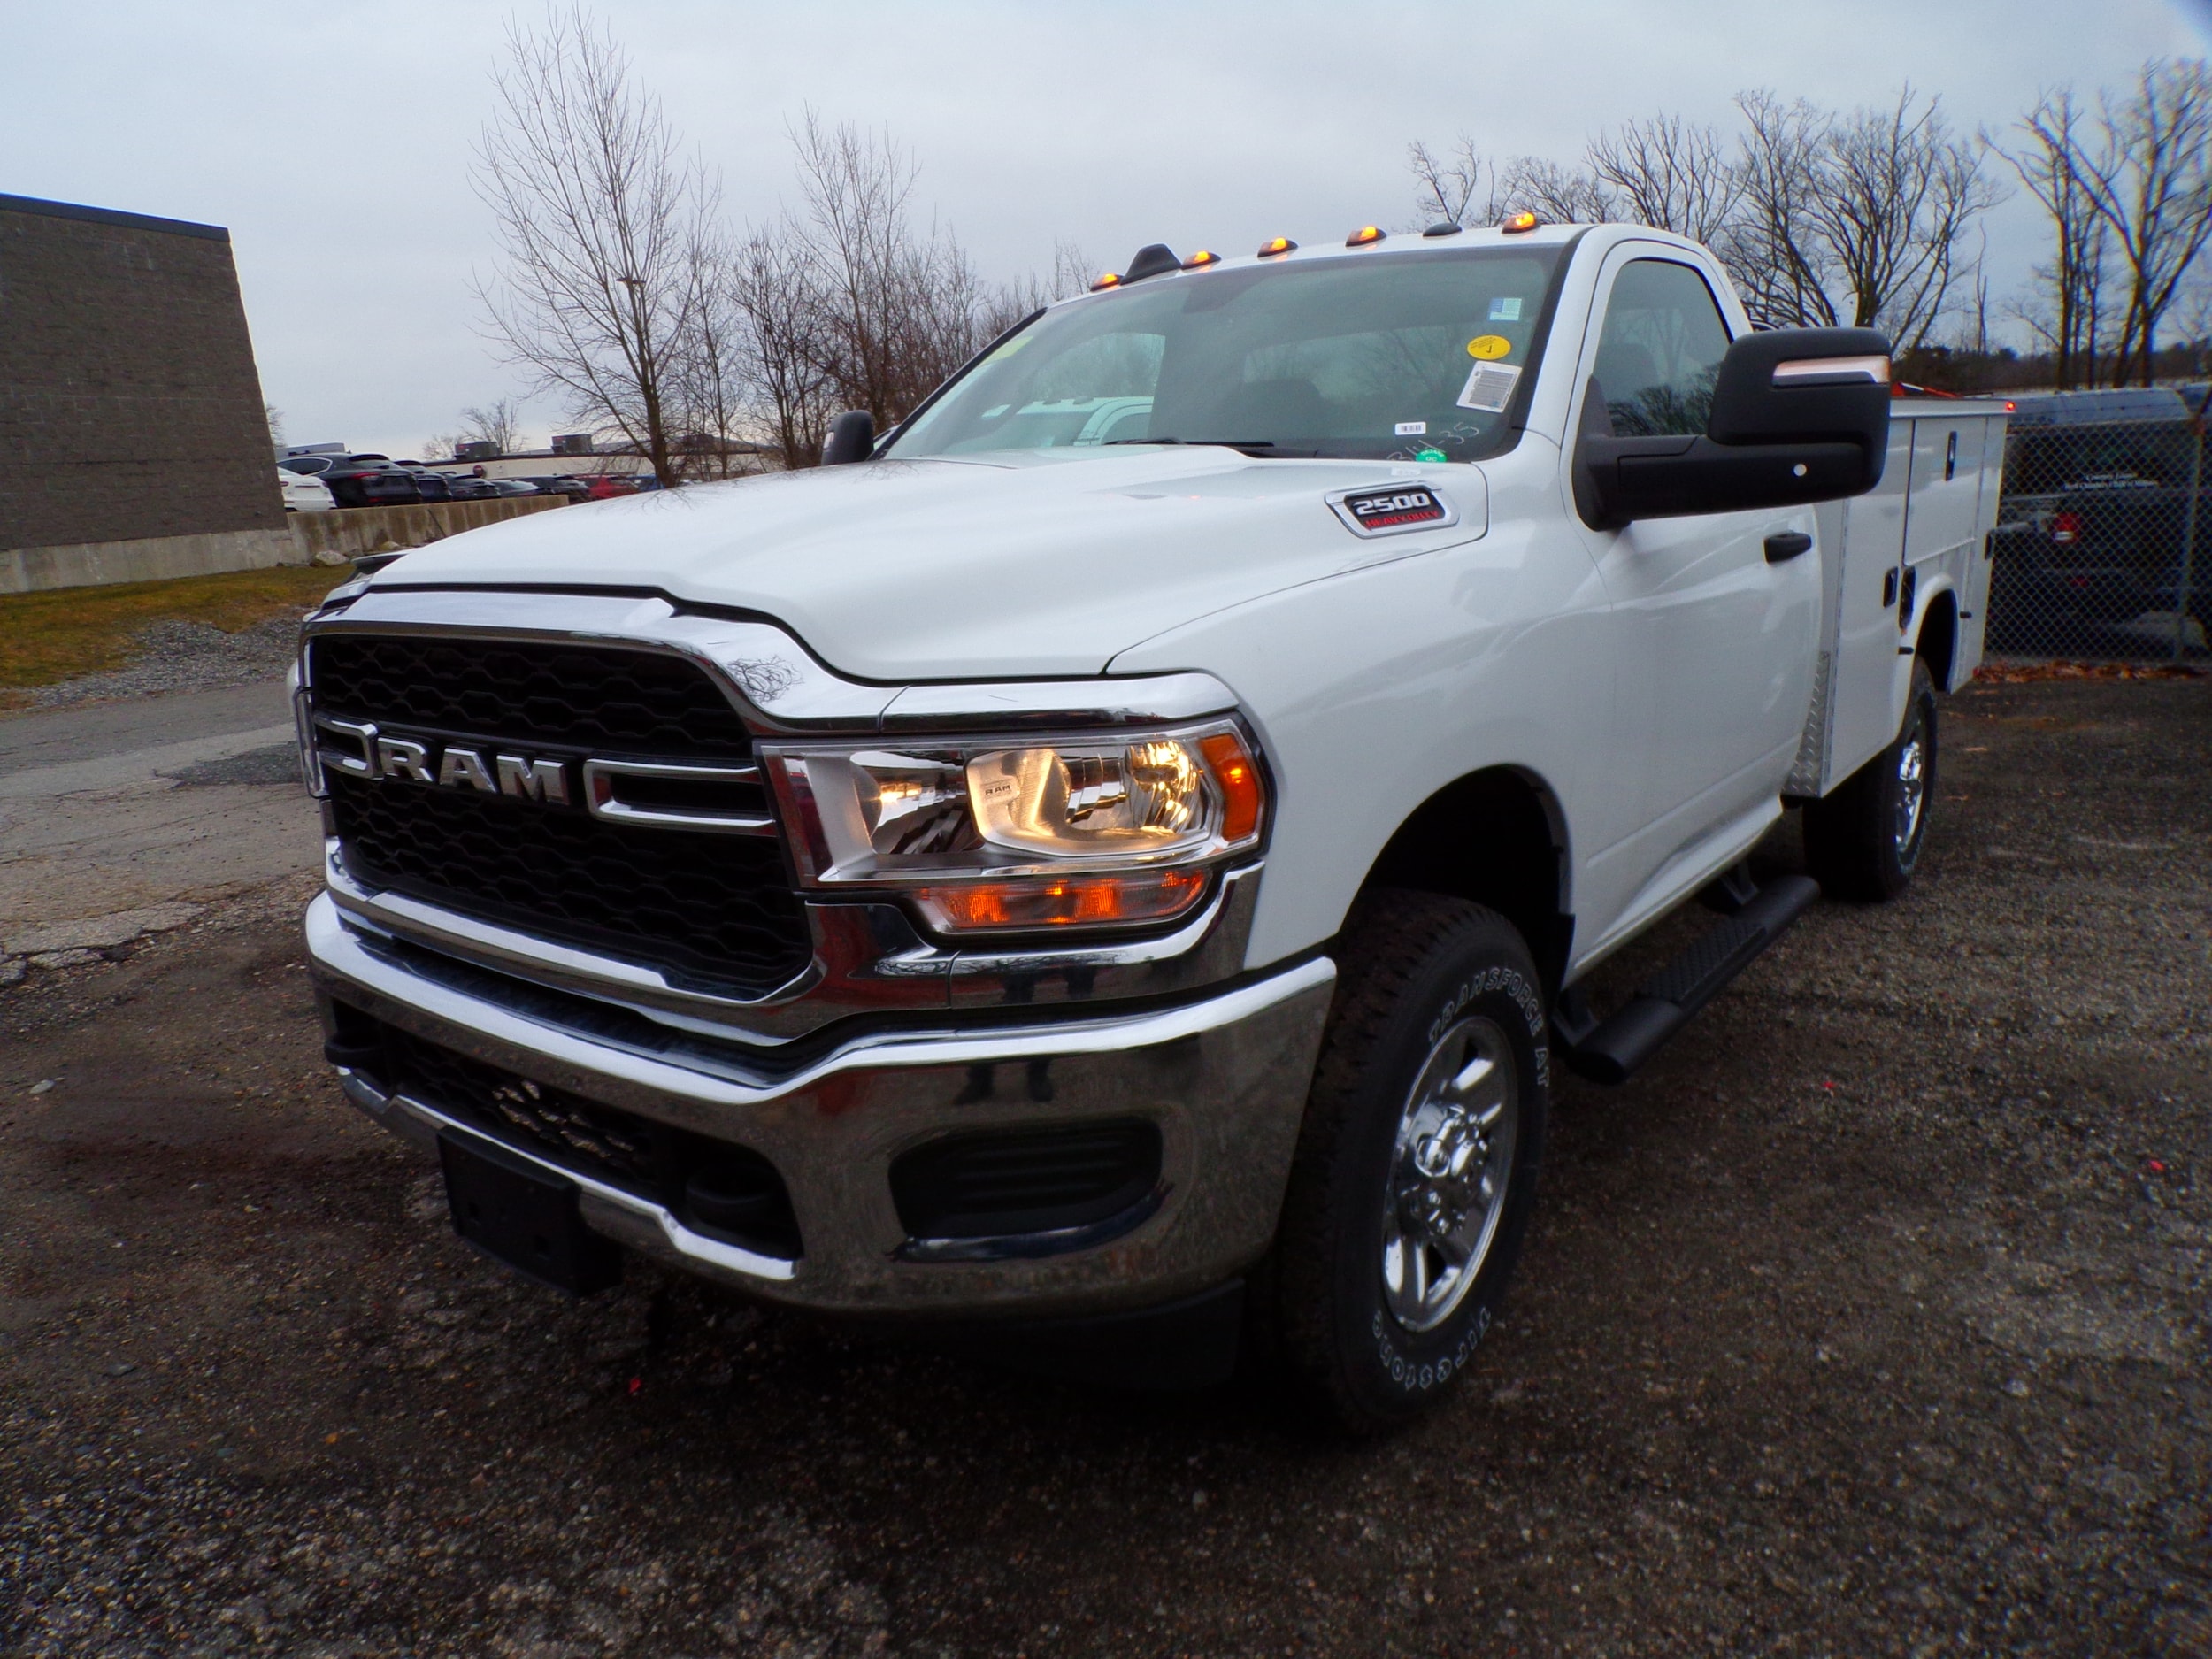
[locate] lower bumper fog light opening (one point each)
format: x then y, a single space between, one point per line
1027 1191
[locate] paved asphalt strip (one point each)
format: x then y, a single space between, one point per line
107 771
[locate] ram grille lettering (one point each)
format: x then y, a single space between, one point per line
543 780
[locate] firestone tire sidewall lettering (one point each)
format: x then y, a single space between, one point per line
1399 1371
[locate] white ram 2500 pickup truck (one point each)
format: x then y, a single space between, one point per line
1118 854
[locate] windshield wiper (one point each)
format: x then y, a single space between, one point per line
1216 443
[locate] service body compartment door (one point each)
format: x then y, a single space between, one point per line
1946 486
1974 566
1862 630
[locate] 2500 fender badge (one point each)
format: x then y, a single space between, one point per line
1389 509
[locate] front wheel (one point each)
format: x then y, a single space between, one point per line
1416 1165
1865 839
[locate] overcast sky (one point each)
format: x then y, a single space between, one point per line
335 140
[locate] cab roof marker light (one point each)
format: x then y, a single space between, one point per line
1515 224
1111 279
1365 235
1445 227
1200 260
1277 245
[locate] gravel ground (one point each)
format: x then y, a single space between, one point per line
1870 1320
183 656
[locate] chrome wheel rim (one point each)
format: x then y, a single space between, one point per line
1912 786
1450 1165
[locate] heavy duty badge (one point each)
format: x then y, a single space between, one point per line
1382 509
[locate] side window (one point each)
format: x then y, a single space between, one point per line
1660 351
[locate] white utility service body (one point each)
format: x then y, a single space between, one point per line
1380 681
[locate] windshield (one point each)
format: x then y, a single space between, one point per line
1410 356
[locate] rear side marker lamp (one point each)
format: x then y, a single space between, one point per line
1013 834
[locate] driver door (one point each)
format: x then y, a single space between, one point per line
1713 646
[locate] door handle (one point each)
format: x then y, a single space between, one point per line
1785 545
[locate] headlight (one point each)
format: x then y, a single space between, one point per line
1008 836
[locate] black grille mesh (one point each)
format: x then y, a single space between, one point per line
712 908
605 702
715 1187
706 907
593 1140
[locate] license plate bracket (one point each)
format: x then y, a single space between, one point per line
524 1216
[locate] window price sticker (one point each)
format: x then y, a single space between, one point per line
1489 388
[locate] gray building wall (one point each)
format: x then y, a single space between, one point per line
129 403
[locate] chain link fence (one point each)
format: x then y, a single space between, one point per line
2100 549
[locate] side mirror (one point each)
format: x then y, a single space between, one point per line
1799 415
852 437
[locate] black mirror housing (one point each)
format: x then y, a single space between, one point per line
852 437
1799 415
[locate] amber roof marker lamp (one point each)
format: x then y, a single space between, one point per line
1277 245
1515 224
1200 260
1111 279
1365 235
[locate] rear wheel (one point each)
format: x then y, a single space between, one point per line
1865 839
1416 1166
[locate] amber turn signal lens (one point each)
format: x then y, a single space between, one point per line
1364 235
1280 244
1240 783
1518 223
1151 896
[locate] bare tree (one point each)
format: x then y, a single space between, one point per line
499 424
274 416
1667 173
2148 177
1563 195
773 287
597 209
1452 183
1779 263
1894 199
2047 165
898 308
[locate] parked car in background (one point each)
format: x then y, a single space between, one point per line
430 484
607 486
2098 507
513 486
574 488
364 481
303 493
466 487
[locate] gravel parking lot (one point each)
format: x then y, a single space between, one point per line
1870 1320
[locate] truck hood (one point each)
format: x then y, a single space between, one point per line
1045 562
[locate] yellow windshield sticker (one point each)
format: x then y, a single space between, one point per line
1489 348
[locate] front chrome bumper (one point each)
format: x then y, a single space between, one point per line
1225 1078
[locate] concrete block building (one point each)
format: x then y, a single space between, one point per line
132 439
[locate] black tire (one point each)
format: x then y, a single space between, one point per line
1866 838
1425 981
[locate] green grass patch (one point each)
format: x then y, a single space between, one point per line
49 637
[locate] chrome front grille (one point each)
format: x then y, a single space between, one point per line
713 909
